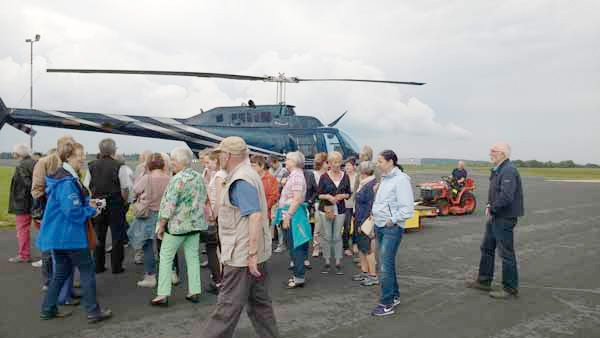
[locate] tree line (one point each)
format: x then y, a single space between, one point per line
550 164
126 157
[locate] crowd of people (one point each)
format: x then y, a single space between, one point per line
243 208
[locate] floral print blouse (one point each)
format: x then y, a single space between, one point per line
182 204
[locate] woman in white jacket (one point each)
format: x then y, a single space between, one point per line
394 203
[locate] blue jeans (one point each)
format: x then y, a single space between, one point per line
499 233
388 241
149 259
297 255
64 261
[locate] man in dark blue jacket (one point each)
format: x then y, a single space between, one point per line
505 205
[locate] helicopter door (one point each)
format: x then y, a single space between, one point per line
307 144
333 143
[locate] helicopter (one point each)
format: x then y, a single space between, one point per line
269 130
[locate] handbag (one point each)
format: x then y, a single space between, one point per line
91 235
368 227
141 206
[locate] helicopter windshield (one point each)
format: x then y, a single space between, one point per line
349 141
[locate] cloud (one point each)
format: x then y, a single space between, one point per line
524 72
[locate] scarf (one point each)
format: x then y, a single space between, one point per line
364 182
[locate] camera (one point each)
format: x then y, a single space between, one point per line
101 203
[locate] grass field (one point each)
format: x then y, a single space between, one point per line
548 173
5 176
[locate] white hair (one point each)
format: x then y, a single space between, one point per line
366 167
182 155
297 157
22 150
502 147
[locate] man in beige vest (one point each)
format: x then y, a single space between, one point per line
245 247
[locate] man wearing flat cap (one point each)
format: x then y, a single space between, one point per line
505 205
245 247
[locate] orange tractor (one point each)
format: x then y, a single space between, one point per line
448 197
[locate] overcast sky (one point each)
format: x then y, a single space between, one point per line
527 72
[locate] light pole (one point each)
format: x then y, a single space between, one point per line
31 41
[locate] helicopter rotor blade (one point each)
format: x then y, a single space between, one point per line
332 124
159 72
363 80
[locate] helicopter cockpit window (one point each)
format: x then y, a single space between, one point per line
333 143
220 118
290 111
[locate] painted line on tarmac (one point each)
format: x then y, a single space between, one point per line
526 286
575 181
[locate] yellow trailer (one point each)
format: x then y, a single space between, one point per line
420 211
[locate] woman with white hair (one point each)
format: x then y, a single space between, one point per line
181 218
20 201
293 212
334 189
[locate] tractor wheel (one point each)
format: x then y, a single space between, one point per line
443 208
468 202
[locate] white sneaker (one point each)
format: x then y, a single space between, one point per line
279 249
174 278
149 281
37 264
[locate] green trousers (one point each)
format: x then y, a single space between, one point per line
170 245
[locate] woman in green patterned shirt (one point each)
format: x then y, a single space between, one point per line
181 218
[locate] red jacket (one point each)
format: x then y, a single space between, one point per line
271 190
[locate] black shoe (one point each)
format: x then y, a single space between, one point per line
213 288
308 266
100 270
163 302
76 294
104 314
121 270
326 269
338 270
193 298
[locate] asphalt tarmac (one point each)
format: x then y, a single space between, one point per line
558 250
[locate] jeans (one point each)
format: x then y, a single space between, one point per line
499 233
297 256
64 261
149 259
46 267
388 241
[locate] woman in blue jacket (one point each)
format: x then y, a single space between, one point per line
64 233
394 203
